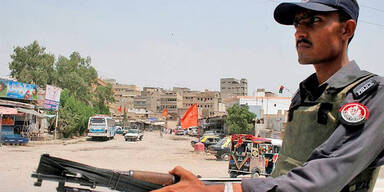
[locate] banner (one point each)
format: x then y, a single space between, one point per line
52 93
18 90
190 117
52 97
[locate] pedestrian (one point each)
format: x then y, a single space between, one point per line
334 137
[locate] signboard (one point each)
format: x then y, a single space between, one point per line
18 90
52 93
7 120
40 98
52 97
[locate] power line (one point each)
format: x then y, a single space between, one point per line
367 22
373 8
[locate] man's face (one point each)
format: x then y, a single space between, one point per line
318 36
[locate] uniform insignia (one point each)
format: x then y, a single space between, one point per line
364 88
354 113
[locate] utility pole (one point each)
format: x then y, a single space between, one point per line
56 123
1 129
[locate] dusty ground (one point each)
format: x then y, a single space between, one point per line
152 154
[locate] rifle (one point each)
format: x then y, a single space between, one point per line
64 171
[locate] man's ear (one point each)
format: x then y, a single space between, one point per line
348 29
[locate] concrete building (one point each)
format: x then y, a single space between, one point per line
155 100
124 98
208 103
231 87
169 100
152 95
140 102
178 100
271 111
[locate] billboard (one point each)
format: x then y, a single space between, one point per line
52 97
18 90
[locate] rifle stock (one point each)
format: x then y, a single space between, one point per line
162 179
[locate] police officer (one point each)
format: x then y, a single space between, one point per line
334 138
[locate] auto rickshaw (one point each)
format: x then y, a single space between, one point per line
252 155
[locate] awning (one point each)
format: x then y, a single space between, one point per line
8 111
158 123
22 110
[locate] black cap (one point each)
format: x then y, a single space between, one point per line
285 12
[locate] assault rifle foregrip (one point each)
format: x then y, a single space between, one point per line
153 177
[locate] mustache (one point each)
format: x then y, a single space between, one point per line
303 40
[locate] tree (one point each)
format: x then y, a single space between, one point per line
103 97
31 64
74 114
77 75
81 96
240 119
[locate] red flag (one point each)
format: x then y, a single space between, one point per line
165 113
239 142
119 109
190 117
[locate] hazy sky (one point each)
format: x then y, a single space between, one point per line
167 43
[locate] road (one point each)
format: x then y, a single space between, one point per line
152 154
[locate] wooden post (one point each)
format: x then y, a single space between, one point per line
56 122
1 129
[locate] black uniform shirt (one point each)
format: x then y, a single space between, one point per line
349 150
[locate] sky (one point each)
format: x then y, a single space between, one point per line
178 43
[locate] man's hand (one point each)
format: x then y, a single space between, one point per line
188 183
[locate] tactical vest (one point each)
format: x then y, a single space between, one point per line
310 124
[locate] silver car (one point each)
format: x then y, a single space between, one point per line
133 135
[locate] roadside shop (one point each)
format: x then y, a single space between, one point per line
20 122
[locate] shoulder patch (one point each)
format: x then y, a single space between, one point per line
353 114
364 88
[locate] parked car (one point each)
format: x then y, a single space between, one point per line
119 130
207 141
180 131
221 150
133 135
191 130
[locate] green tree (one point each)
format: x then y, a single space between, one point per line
31 64
103 97
240 119
77 75
81 97
74 115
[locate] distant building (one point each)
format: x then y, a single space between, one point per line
271 111
154 100
178 100
124 98
231 87
169 100
110 81
208 103
152 95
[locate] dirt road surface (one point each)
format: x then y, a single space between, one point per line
152 154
